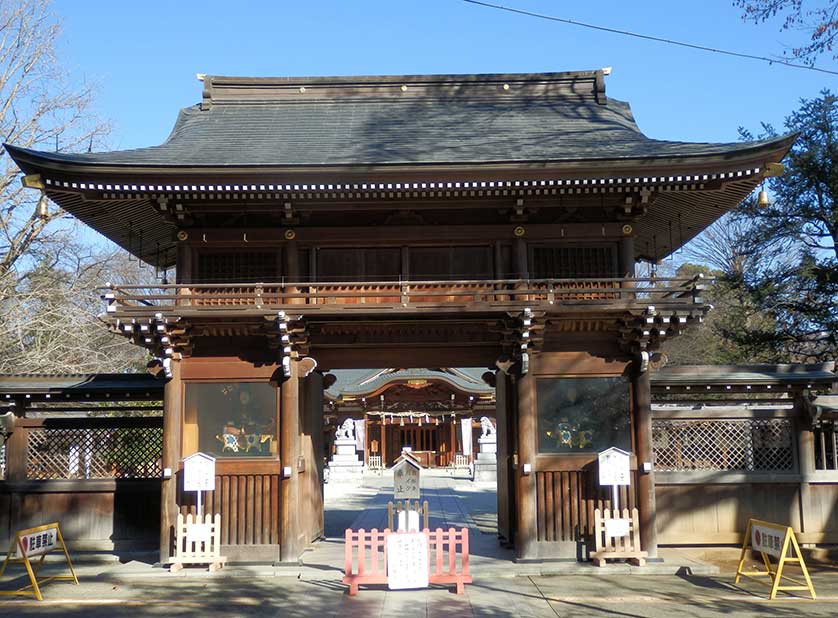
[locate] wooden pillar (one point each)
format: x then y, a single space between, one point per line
292 262
172 428
627 256
452 435
367 428
17 455
520 259
291 540
17 445
645 480
383 442
526 534
311 477
503 454
806 460
405 267
183 270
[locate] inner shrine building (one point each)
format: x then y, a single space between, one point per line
325 223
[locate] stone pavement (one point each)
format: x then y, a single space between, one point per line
501 587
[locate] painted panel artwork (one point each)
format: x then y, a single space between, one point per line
583 414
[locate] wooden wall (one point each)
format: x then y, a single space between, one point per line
717 514
704 507
95 515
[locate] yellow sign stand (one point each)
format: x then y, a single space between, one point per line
773 540
33 542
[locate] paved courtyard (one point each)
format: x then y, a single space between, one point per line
501 588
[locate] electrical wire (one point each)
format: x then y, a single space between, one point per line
647 37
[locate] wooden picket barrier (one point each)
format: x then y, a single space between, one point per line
366 557
625 547
393 511
198 549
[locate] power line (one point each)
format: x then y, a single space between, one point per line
647 37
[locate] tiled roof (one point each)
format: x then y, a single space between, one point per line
407 120
685 375
134 383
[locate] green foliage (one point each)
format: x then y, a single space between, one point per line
776 267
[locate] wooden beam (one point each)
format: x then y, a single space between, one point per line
396 235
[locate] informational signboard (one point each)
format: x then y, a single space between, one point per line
614 467
406 480
767 540
617 528
30 543
199 472
198 533
37 543
777 541
407 561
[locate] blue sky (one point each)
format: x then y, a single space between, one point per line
144 55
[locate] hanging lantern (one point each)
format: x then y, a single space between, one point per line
762 199
42 209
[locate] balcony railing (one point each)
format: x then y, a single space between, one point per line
661 292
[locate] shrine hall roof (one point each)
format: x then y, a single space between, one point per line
359 382
396 120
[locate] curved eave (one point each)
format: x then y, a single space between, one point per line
34 162
381 386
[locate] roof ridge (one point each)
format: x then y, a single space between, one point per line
232 90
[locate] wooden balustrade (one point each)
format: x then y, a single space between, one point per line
657 291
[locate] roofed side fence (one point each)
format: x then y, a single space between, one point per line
728 457
97 476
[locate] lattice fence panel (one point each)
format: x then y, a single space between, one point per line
95 453
750 445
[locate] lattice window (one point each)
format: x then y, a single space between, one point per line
747 445
237 267
826 446
89 453
570 262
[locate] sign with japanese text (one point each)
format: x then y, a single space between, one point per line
37 543
406 480
30 543
767 540
777 541
407 561
614 467
199 473
617 528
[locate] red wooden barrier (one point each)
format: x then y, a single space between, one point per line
371 557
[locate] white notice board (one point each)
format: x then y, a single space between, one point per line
407 561
614 467
199 473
